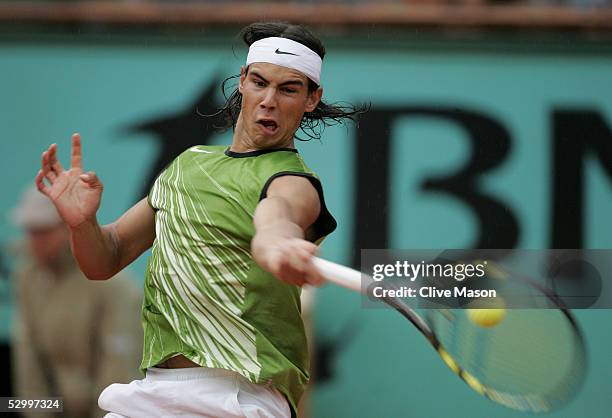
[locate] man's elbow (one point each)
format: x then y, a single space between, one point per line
97 275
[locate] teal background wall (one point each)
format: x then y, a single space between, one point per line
52 87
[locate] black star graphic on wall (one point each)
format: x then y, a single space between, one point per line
181 130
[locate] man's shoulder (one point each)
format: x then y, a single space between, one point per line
205 149
283 161
191 157
197 153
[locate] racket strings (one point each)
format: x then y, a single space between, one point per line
533 359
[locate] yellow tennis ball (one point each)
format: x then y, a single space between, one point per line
486 318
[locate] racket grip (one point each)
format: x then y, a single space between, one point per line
338 274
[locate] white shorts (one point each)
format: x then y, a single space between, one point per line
193 392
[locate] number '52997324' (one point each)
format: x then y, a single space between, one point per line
20 403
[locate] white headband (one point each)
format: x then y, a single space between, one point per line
287 53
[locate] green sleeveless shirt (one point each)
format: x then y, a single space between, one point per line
205 297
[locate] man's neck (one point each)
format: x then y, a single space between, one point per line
239 146
242 144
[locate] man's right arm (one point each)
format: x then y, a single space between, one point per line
103 251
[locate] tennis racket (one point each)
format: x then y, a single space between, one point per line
533 360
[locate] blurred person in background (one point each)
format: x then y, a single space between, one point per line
72 337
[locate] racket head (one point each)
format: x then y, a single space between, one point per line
533 360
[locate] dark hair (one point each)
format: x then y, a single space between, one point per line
312 123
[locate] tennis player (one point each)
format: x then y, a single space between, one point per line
223 335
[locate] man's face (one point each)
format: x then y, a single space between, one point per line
47 243
274 100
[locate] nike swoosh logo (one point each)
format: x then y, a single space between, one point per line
194 149
278 51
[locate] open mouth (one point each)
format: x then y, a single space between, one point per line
268 125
